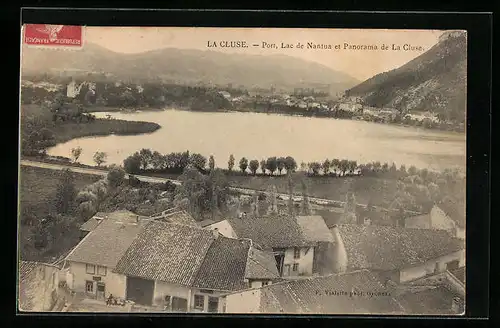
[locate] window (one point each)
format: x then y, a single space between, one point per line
286 272
89 286
101 270
90 269
296 253
295 267
199 302
265 283
213 304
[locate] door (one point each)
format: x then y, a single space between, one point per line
179 304
101 291
213 304
140 290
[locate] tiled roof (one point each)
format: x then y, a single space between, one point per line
166 252
389 248
90 224
459 273
261 265
206 222
178 216
327 295
106 244
224 265
429 300
271 232
455 210
314 228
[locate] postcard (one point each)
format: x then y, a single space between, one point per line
242 170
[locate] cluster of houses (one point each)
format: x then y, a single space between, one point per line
276 263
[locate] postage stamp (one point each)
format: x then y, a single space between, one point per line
53 35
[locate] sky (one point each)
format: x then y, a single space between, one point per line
360 64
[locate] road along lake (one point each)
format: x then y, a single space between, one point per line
258 136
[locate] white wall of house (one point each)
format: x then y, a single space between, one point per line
429 267
305 261
115 284
244 302
460 233
224 227
206 296
163 289
259 283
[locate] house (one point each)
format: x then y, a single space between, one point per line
38 286
89 266
402 254
440 219
360 292
300 244
166 265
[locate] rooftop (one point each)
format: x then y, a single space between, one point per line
329 295
389 248
455 210
430 300
107 243
190 256
177 216
280 231
459 274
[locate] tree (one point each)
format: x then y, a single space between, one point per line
100 158
66 192
116 175
280 164
146 156
290 164
211 163
230 163
254 206
305 204
132 164
343 166
75 153
198 161
314 167
273 206
263 166
402 170
352 165
303 166
291 211
243 164
335 164
412 170
272 164
385 167
326 166
253 165
157 160
393 169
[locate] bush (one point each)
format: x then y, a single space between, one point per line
133 181
116 176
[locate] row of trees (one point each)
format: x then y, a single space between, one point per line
175 162
271 165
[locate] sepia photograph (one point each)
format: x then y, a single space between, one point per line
242 170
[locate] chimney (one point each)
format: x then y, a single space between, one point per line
215 232
338 253
137 218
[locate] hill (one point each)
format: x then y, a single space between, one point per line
189 66
434 81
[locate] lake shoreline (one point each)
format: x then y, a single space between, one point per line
101 109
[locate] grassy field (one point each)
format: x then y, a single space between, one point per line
37 193
367 189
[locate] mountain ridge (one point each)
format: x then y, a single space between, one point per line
435 81
188 65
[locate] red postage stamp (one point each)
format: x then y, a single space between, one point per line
53 35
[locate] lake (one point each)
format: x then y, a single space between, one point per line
258 136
